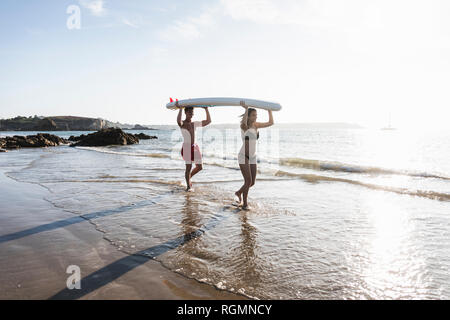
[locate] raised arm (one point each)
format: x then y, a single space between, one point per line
180 114
208 118
265 124
244 117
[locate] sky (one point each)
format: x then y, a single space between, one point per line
351 61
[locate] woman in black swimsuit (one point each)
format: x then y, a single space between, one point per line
247 154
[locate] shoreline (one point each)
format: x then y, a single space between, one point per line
34 265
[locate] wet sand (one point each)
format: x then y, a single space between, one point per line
34 262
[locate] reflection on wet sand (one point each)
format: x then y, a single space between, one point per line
249 259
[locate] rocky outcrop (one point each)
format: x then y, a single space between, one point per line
106 137
2 145
58 123
19 123
70 123
76 138
33 141
63 123
46 124
143 136
139 127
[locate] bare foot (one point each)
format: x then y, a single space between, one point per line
245 207
189 186
239 195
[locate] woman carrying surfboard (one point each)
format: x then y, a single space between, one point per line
247 153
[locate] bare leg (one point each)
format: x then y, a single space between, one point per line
239 195
198 167
245 170
187 175
253 171
241 189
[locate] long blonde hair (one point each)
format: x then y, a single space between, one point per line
246 125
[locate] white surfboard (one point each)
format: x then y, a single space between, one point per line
221 102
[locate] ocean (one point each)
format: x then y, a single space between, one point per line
335 213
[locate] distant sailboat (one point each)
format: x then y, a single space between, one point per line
389 127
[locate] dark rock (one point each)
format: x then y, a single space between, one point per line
55 139
33 141
143 136
106 137
73 138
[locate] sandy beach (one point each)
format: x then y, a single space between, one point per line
34 265
336 223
